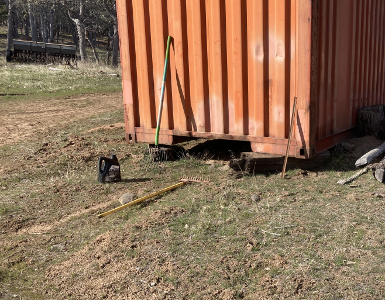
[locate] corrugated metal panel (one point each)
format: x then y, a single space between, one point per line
350 64
235 67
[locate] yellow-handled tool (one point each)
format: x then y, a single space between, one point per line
183 182
142 199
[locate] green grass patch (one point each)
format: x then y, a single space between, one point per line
304 238
7 209
26 81
3 274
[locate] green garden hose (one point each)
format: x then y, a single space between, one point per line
162 92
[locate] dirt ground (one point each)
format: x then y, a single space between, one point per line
255 237
361 145
20 120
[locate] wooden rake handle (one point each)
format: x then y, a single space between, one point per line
142 199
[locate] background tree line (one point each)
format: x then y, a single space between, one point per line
85 23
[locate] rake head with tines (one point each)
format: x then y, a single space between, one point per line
195 179
155 158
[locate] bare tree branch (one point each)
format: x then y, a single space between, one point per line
111 12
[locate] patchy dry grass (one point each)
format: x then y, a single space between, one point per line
304 237
18 81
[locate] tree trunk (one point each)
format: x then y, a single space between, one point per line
73 31
57 32
43 26
115 45
108 50
21 22
111 10
32 23
26 22
93 50
75 38
15 25
51 27
108 42
81 29
10 27
82 39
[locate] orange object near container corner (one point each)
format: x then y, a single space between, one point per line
236 66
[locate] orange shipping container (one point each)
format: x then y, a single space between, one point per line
236 66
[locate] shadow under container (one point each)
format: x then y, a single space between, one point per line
236 66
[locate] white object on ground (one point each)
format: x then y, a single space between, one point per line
368 157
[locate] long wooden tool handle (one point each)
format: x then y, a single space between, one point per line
288 142
141 199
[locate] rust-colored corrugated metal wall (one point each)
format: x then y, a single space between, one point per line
349 68
235 68
236 65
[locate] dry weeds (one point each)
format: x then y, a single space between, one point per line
256 237
306 237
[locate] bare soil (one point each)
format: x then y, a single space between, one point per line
20 120
362 145
256 237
